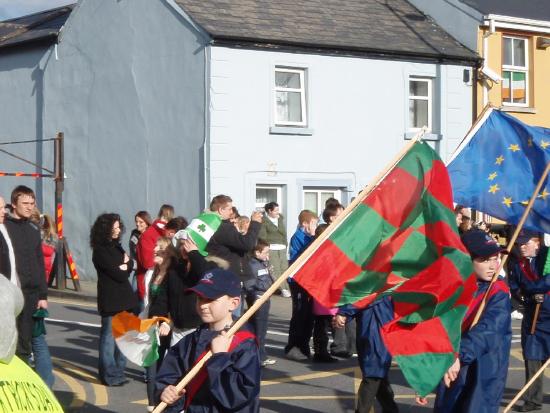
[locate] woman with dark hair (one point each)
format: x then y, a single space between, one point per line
114 292
143 221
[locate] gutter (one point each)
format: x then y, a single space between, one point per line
517 23
296 47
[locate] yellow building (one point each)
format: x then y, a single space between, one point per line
515 74
512 39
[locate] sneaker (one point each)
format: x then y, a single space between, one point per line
516 315
285 293
295 354
268 362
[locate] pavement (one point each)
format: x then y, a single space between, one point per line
87 293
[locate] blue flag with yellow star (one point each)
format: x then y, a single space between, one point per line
497 168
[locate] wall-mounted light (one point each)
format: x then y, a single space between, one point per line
543 42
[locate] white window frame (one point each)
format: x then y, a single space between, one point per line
318 190
260 206
522 69
302 90
429 98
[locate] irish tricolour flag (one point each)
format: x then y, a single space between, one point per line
137 339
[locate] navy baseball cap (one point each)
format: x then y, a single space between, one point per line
481 244
525 235
216 283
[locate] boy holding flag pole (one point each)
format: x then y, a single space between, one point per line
475 382
520 154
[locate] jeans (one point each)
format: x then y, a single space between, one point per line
42 359
111 361
259 321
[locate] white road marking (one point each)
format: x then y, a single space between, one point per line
80 323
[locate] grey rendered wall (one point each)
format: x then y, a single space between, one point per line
458 19
22 105
127 88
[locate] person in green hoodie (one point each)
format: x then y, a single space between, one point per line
273 231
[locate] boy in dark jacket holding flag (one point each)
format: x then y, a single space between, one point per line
529 281
475 382
230 380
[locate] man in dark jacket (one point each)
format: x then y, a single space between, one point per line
29 264
227 243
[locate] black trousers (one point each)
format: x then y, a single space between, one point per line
534 393
301 321
321 328
374 387
25 324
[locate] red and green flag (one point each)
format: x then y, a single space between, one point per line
401 240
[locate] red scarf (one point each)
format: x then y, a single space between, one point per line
498 286
196 382
525 266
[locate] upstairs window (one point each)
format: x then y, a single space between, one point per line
515 71
420 103
290 97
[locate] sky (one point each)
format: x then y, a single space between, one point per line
15 8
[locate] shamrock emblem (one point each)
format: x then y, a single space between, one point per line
201 228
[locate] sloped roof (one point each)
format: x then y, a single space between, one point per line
527 9
388 27
38 27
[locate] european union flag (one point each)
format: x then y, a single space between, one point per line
497 170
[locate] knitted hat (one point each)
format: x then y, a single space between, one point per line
11 303
200 230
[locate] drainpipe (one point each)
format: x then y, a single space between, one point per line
485 57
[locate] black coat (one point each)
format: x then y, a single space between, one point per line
5 265
29 260
114 292
229 244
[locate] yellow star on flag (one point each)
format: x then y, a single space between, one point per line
544 144
530 142
514 147
544 194
507 201
494 188
499 160
492 176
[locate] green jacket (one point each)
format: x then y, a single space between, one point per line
273 234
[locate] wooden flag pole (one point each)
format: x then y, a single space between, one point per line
527 385
512 241
296 265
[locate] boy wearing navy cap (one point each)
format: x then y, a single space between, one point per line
230 380
529 282
475 382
